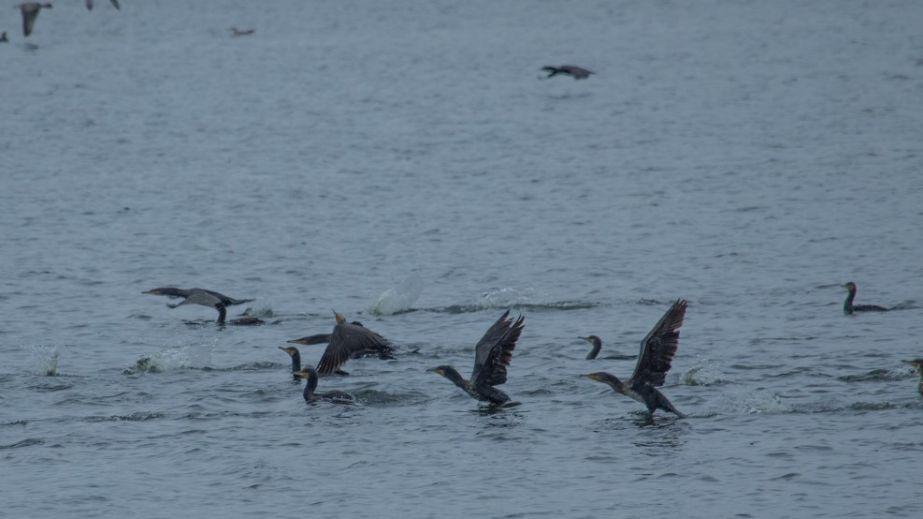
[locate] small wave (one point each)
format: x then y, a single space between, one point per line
703 376
28 442
398 299
133 417
374 397
180 357
263 312
877 375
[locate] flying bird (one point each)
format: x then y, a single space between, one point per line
29 11
347 341
567 70
492 355
209 298
657 351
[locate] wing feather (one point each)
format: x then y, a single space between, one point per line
659 347
494 351
349 341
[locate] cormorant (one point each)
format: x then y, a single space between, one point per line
296 359
310 375
348 341
235 32
597 345
200 296
849 308
657 351
492 355
29 11
918 363
567 70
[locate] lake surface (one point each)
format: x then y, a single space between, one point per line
405 164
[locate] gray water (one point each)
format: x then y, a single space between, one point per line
403 163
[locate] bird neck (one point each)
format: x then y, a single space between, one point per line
296 361
847 306
222 313
616 384
456 378
309 386
597 345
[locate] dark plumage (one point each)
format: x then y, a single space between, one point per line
654 361
918 364
492 355
849 308
567 70
597 345
310 375
235 32
209 298
347 341
3 38
296 359
29 11
89 4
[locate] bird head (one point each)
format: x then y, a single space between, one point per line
155 291
339 318
592 339
291 350
850 286
441 370
605 378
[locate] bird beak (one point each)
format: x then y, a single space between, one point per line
294 341
283 349
587 339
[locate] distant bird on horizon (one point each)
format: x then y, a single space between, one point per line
235 32
3 38
567 70
209 298
348 341
654 361
917 363
849 308
29 11
492 355
115 3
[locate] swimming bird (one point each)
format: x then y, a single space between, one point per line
296 359
200 296
235 32
657 351
918 363
849 308
567 70
492 355
3 38
29 11
310 375
348 341
597 345
115 3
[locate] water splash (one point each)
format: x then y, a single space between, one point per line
179 357
399 298
46 360
705 375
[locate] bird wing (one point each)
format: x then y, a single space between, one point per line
29 13
348 341
659 347
494 351
202 297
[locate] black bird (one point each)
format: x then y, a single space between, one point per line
3 38
567 70
348 341
200 296
296 359
310 375
657 351
492 355
597 345
235 32
29 11
918 363
849 308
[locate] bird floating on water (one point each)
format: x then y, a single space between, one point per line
310 376
296 359
209 298
567 70
29 11
657 351
492 355
3 38
348 341
235 32
89 4
597 345
849 308
918 364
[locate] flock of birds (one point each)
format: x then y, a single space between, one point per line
492 353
